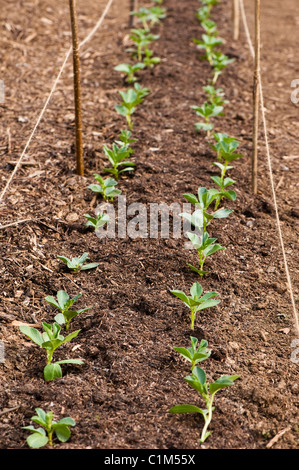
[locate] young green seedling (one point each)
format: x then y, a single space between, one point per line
210 27
142 38
225 148
131 98
205 247
219 61
106 187
44 434
223 183
150 16
201 217
76 264
130 70
219 137
149 60
216 96
155 15
209 4
50 340
207 111
125 138
63 303
208 44
198 381
117 156
128 106
195 301
203 14
96 222
142 16
195 354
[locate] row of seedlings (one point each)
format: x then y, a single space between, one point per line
51 338
208 207
142 57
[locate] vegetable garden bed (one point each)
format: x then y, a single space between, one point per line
121 395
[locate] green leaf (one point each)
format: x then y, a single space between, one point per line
228 182
62 432
222 167
191 198
198 271
83 258
127 169
70 361
194 342
201 356
230 195
67 421
222 382
126 68
207 304
71 336
232 156
197 218
59 318
122 110
212 249
70 314
33 429
208 296
217 180
41 414
194 383
89 266
196 290
182 296
96 188
52 301
64 259
52 371
32 333
200 375
186 409
52 344
195 240
184 352
38 420
222 213
72 301
37 440
203 126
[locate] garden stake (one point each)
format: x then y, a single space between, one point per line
133 7
256 94
77 89
236 19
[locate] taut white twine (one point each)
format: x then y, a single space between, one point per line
289 281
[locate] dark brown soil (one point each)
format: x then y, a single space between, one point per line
120 397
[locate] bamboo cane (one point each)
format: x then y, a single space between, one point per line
256 94
133 7
77 89
236 19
